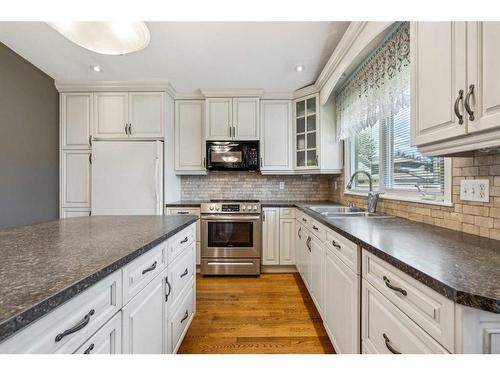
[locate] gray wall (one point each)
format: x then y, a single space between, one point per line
29 142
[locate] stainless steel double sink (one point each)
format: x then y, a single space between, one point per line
345 212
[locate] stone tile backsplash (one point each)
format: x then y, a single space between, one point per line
249 185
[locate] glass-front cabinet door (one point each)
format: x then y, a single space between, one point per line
306 134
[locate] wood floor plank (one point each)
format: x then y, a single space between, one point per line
245 315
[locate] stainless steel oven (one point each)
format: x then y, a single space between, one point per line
231 238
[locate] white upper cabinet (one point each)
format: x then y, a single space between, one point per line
232 119
306 123
189 142
119 115
438 53
146 114
483 74
246 118
76 120
276 136
111 115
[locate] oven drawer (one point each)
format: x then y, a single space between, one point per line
227 266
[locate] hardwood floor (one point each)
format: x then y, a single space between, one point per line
269 314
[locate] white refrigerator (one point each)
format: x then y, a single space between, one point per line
127 178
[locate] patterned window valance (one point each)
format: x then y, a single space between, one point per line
379 88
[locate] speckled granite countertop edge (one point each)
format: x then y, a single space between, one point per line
10 326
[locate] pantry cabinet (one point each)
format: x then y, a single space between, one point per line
124 115
232 119
189 137
455 86
276 137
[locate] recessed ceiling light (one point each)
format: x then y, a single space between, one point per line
108 38
96 68
300 68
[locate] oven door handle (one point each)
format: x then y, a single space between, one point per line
231 218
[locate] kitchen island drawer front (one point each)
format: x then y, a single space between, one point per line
387 330
107 340
187 211
178 243
287 213
346 250
181 273
429 309
138 273
316 228
67 327
182 317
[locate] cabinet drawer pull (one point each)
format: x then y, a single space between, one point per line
89 349
77 327
467 103
335 244
390 286
308 243
153 266
304 220
169 289
90 140
315 227
186 314
388 345
184 273
298 233
456 109
184 240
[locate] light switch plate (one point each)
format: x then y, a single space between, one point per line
475 190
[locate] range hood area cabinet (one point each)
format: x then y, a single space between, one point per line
455 86
232 119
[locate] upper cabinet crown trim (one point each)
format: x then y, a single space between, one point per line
248 93
98 86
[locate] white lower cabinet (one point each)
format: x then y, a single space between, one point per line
341 307
386 329
190 211
107 340
181 318
287 241
317 252
270 236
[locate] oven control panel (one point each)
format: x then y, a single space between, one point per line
230 208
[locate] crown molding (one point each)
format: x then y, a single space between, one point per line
305 91
277 96
236 93
99 86
195 95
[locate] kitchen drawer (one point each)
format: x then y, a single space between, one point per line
138 273
181 318
386 328
187 211
302 218
107 340
429 309
316 228
88 311
180 241
287 213
346 250
181 273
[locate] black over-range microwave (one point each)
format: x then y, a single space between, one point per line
233 155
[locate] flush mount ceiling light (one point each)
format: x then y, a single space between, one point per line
96 68
107 38
300 68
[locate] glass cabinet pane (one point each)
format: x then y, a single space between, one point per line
301 108
311 106
301 158
311 157
301 142
301 125
311 123
311 140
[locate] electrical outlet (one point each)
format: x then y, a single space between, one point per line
475 190
282 185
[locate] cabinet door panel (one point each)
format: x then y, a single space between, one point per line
270 236
75 179
483 41
110 114
287 241
317 271
76 120
438 51
107 340
146 114
219 118
189 126
341 309
276 139
246 118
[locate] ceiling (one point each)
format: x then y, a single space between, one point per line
191 55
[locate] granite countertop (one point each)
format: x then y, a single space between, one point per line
44 265
463 267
